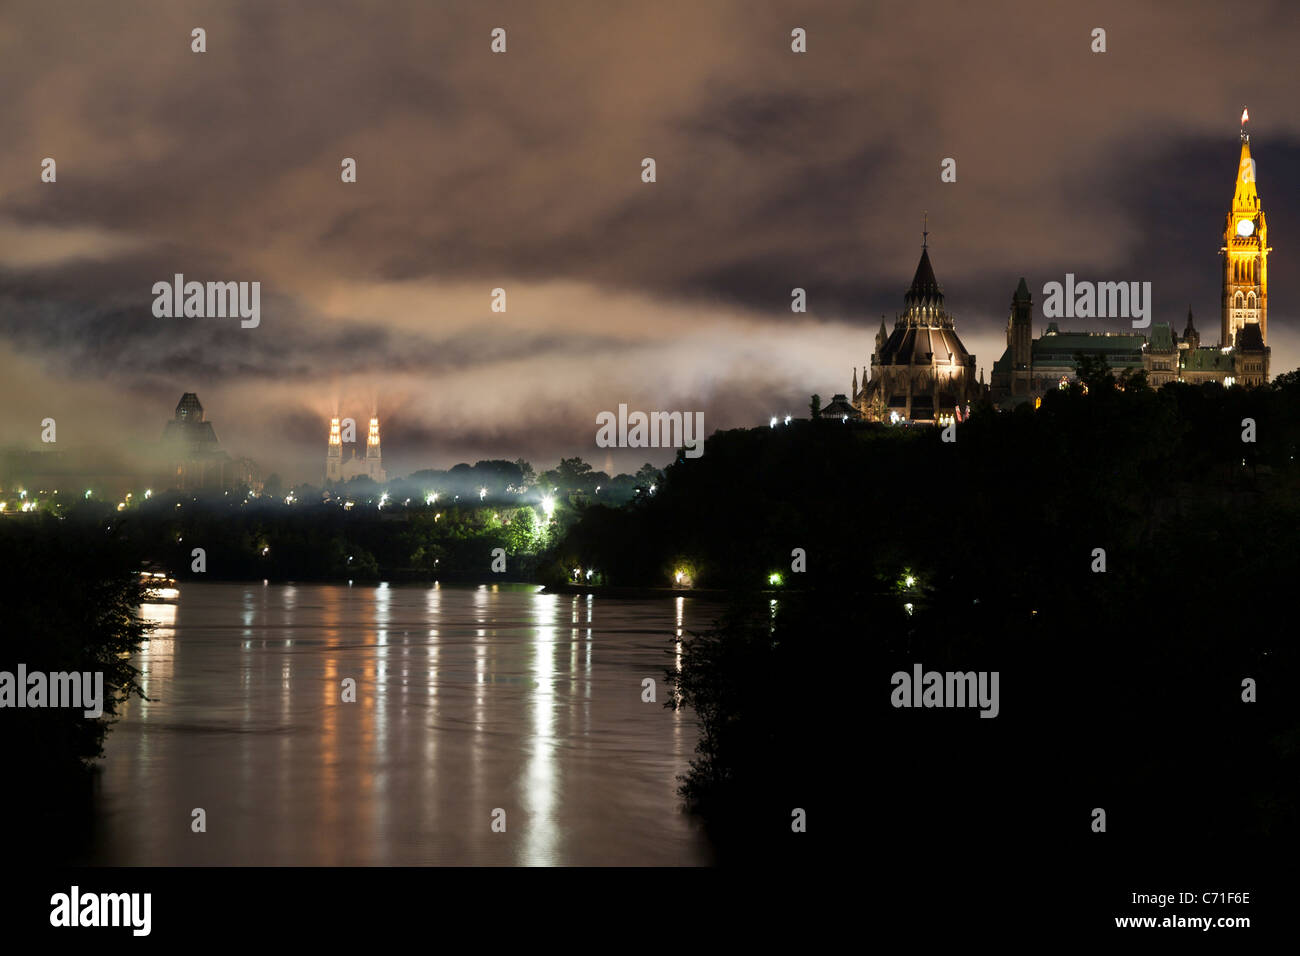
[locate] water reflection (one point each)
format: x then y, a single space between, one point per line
467 699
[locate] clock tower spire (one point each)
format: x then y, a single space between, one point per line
1245 253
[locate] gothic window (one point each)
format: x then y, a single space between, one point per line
1250 300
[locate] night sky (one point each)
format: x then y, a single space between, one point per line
523 170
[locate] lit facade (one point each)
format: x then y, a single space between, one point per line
920 372
1030 367
339 468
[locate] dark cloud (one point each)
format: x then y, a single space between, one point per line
522 171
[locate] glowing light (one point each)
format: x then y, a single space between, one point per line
909 580
148 493
772 423
87 492
652 489
482 493
431 497
548 505
1245 116
383 499
908 608
787 419
774 579
678 577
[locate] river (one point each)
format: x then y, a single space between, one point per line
469 700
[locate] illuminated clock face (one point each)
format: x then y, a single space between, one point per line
1245 227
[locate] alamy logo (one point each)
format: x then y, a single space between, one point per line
1098 300
656 430
947 689
60 689
103 909
212 300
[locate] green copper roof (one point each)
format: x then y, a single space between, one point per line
1162 338
1120 349
1207 360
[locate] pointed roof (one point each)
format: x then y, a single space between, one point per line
1022 292
189 408
1245 197
924 282
924 290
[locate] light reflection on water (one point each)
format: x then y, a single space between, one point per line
468 699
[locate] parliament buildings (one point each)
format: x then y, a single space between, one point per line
921 372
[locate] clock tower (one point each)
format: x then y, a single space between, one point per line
1245 254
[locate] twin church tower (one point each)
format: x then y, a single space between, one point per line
921 372
338 468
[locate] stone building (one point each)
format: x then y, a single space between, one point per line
1029 366
920 372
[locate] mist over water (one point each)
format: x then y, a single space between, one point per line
468 699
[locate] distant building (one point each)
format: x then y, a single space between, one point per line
841 409
194 458
338 468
